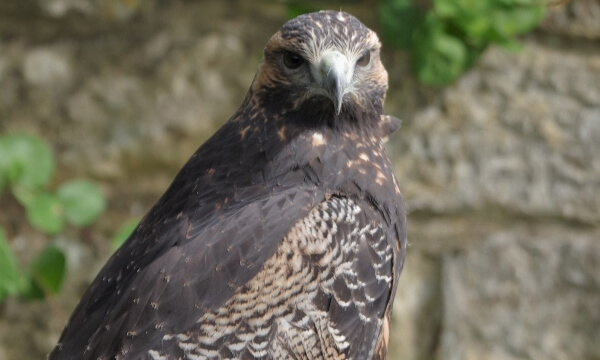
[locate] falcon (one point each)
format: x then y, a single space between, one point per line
284 234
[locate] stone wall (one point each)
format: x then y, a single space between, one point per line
499 170
501 174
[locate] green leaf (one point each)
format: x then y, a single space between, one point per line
82 201
46 213
439 58
447 9
516 21
46 273
475 27
399 19
2 181
11 279
123 233
511 46
297 8
456 32
454 9
25 160
25 195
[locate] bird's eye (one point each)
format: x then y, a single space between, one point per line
292 60
364 60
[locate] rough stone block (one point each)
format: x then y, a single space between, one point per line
579 18
418 308
529 292
520 138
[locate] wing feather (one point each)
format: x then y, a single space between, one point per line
349 245
174 290
203 240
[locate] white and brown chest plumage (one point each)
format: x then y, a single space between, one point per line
324 291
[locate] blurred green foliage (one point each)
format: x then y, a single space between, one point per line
123 233
42 277
11 280
449 38
26 169
45 274
297 8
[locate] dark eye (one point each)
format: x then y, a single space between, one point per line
292 60
364 60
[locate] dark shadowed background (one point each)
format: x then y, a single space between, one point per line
500 169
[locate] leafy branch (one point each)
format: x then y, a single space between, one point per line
26 169
449 38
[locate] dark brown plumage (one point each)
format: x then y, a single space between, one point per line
282 237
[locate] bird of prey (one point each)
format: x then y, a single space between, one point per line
282 237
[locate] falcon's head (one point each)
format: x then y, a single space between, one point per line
326 64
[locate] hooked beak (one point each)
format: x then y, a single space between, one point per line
335 68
